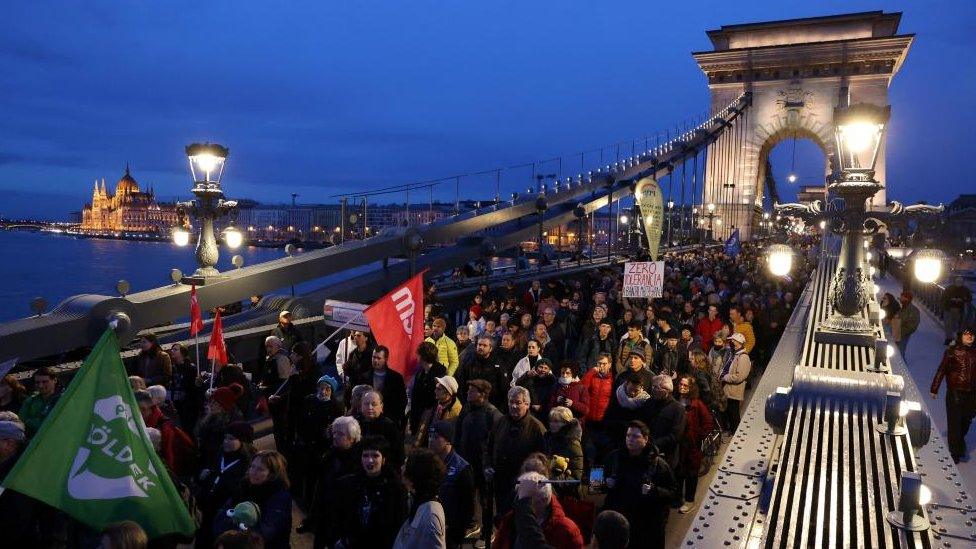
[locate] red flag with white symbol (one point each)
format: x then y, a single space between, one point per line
397 321
196 319
217 351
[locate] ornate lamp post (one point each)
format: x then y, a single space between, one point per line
207 168
670 219
710 215
859 130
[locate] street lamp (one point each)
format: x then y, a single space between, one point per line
779 257
859 132
928 265
711 215
207 162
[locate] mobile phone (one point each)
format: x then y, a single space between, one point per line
596 475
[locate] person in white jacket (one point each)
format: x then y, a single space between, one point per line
527 362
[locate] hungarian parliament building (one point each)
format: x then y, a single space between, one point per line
128 209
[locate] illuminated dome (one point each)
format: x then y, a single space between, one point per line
126 185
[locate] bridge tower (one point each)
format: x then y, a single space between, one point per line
798 70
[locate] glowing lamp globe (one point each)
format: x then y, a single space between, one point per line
859 129
623 219
928 265
711 208
233 238
779 257
181 236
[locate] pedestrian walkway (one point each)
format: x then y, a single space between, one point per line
924 354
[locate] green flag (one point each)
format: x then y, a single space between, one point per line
92 458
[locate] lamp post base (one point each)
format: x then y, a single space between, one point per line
203 276
845 330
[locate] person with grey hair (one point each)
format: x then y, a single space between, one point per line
665 417
510 441
537 518
340 460
159 398
277 365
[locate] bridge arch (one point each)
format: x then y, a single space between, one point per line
797 71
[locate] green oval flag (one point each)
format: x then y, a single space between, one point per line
92 459
650 201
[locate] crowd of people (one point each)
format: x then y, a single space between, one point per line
559 414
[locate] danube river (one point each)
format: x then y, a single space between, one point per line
58 266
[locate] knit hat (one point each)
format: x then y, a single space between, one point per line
476 309
448 383
637 351
227 396
443 429
482 385
11 430
241 430
331 381
245 515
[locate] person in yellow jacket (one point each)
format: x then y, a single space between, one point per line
742 326
447 351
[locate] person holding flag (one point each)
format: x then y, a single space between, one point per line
94 461
733 245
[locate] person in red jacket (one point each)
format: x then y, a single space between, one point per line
176 447
537 500
598 382
570 392
958 367
698 422
707 327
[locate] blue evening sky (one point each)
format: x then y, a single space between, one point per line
321 97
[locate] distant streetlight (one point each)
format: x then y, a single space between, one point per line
207 162
779 257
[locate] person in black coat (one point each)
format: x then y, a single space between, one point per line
372 501
457 489
665 417
602 341
388 383
221 480
507 356
266 485
422 388
286 331
641 487
340 460
541 384
483 366
375 423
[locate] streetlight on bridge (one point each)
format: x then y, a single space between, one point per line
859 130
207 168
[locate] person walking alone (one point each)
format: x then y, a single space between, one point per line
958 368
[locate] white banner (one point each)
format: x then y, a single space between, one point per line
644 279
344 314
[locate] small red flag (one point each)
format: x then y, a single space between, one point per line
397 321
217 350
196 319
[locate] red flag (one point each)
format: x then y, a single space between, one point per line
217 349
396 320
196 319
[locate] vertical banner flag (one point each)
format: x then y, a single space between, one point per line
651 205
733 245
196 319
397 321
92 458
643 279
217 350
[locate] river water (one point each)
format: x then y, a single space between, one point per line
56 266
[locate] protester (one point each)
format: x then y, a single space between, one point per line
266 485
640 486
634 343
12 394
482 366
340 460
220 481
422 388
570 392
472 428
375 422
122 535
958 368
447 350
957 300
698 423
152 364
286 331
733 374
512 438
372 501
528 362
425 525
37 406
221 411
177 447
535 496
565 443
906 322
611 531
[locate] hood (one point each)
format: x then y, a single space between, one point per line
631 403
572 430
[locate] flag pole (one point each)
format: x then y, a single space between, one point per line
213 371
196 344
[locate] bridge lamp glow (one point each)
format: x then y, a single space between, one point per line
181 236
766 215
718 222
859 131
791 178
779 258
670 205
624 219
928 265
881 314
233 237
206 162
823 225
711 207
890 352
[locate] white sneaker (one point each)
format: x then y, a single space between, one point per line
687 507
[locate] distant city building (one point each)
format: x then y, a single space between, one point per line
128 209
959 222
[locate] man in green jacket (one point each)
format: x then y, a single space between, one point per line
908 321
37 406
